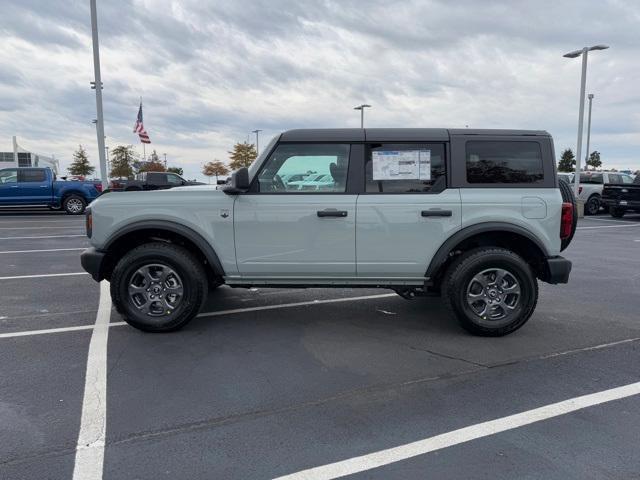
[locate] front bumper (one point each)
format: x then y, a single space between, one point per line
626 204
93 262
557 270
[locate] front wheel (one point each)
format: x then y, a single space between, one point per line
491 291
616 212
158 287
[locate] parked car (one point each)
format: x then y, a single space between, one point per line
622 197
151 181
476 216
567 177
591 186
28 187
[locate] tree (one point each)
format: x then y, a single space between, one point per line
152 165
80 164
122 158
243 155
216 168
567 161
176 170
594 160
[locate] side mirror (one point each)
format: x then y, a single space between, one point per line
239 182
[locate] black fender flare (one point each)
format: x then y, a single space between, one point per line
440 258
173 227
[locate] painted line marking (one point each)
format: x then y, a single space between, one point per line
45 275
297 304
42 236
206 314
609 226
42 228
91 438
598 219
462 435
44 251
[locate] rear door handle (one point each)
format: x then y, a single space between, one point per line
436 213
331 212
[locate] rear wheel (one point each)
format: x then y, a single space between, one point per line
74 205
617 212
158 287
592 207
491 291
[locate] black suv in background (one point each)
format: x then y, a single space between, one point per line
151 181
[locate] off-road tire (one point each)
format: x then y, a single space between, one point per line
74 205
461 273
192 275
567 197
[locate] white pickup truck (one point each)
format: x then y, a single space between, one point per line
591 185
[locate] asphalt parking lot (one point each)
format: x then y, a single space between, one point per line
272 382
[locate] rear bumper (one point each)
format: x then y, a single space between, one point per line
557 270
93 261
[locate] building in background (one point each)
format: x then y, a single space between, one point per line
20 157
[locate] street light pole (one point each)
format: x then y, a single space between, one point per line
586 156
361 108
584 52
98 87
257 132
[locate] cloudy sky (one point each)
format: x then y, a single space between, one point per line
210 72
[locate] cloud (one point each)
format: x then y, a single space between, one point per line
210 72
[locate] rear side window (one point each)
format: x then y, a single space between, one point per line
31 176
504 162
595 178
405 168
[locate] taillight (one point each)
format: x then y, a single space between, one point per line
579 190
89 222
99 187
566 221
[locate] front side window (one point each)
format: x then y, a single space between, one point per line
174 179
504 162
306 168
627 179
405 168
8 176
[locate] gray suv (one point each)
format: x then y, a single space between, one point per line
476 216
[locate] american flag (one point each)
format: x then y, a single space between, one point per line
139 128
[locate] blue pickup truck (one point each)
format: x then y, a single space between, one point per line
22 187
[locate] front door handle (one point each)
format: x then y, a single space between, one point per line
331 212
436 213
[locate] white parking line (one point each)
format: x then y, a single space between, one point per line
44 251
44 275
206 314
42 236
90 447
462 435
598 219
42 228
609 226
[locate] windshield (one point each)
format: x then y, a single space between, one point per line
253 168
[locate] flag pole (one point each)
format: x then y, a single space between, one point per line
144 149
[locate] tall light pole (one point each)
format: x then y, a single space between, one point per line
97 84
586 155
257 132
361 108
576 53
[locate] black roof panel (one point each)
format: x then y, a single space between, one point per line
394 134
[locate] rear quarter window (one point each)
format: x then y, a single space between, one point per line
504 162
